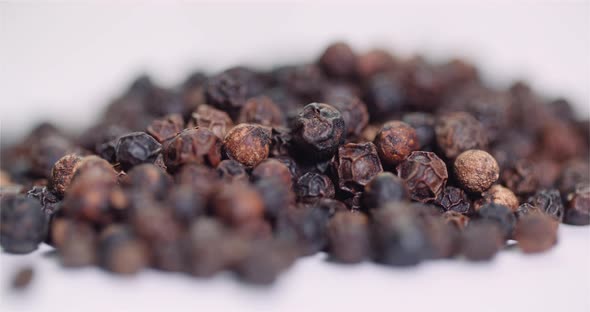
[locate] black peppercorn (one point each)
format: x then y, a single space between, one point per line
355 165
424 174
348 237
24 225
382 189
395 141
207 117
248 144
261 110
312 186
166 128
136 148
458 132
193 146
318 131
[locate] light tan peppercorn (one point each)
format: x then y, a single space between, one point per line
476 170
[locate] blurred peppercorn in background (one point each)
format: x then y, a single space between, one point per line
364 155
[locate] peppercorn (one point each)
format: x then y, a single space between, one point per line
280 142
536 233
136 148
23 224
339 61
120 252
193 146
264 261
273 169
355 165
424 174
200 178
459 132
499 195
312 186
62 173
304 80
548 201
50 203
578 209
276 197
423 124
443 239
454 199
185 203
574 171
149 179
206 252
457 219
75 242
305 226
520 178
499 214
207 117
230 170
166 128
373 62
476 170
237 203
353 110
382 189
398 236
261 110
318 131
395 141
230 89
248 144
481 241
526 209
384 95
348 236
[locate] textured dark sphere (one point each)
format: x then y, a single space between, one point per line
318 131
136 148
382 189
424 174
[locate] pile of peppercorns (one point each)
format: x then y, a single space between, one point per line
365 156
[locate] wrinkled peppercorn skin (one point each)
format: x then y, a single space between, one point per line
193 146
318 131
249 144
356 165
395 141
424 174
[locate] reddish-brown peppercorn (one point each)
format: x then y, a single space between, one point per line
481 241
210 118
248 144
148 178
499 195
424 174
520 178
120 251
356 164
348 237
261 110
457 219
166 128
536 233
230 170
62 173
373 62
578 209
273 169
459 132
197 146
339 61
476 170
395 141
237 204
353 110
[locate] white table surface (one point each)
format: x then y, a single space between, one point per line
63 62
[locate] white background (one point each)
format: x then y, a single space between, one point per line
63 62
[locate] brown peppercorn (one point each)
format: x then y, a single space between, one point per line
374 62
248 144
578 209
120 252
353 110
95 197
207 247
152 221
348 237
423 124
476 170
62 173
548 201
356 164
521 178
424 174
261 110
457 219
196 146
574 172
536 233
273 169
136 148
318 131
149 179
454 199
395 141
499 195
208 117
201 179
237 204
313 186
382 189
561 141
459 132
339 61
481 241
230 170
75 242
166 127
